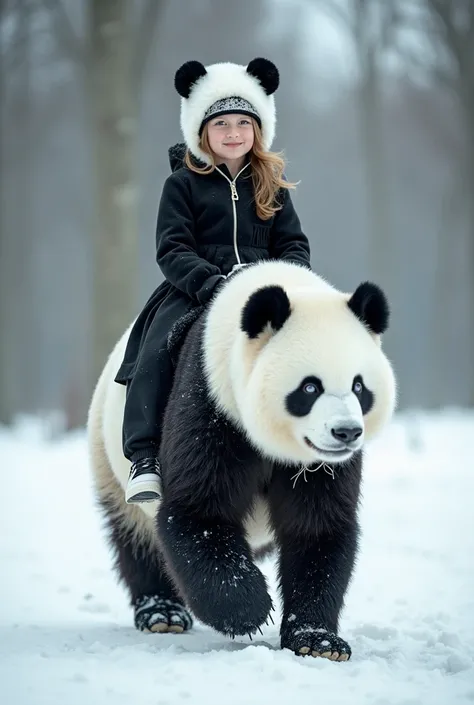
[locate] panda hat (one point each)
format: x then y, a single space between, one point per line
209 91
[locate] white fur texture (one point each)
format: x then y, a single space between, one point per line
224 80
110 468
250 379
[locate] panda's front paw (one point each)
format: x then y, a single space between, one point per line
306 640
232 603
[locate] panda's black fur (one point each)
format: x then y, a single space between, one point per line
210 485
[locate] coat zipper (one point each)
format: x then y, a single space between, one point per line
235 197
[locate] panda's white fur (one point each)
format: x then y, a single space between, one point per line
249 379
111 469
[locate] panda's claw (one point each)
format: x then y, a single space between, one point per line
304 650
176 628
158 627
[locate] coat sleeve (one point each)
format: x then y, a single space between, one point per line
288 242
176 251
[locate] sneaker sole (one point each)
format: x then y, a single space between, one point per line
142 490
141 497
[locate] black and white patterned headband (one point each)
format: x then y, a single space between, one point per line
224 106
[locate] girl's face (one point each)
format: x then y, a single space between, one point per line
230 136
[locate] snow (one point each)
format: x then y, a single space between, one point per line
66 631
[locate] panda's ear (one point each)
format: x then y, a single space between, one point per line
267 305
369 304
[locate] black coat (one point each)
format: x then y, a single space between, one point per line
197 242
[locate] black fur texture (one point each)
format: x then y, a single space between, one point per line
211 478
266 72
270 304
370 305
153 595
187 75
317 531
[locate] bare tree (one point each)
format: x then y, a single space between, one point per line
454 20
113 60
5 380
444 51
17 319
369 24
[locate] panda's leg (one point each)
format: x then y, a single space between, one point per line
154 598
317 536
212 563
314 574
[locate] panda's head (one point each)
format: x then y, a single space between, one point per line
301 369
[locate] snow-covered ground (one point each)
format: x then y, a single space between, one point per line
66 632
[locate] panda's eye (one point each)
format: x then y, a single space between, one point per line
310 388
357 388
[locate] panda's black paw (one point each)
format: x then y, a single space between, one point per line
233 604
315 641
156 614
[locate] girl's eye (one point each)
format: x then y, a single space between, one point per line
310 388
357 388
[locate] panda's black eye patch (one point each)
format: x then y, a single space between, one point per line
363 394
300 401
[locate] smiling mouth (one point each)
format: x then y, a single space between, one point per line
233 144
326 451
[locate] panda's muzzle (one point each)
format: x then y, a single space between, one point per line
348 442
323 451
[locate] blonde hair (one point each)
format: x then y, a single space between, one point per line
267 172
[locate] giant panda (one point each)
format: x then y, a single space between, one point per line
278 386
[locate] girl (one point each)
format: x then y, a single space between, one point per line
225 205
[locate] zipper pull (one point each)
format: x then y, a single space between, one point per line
233 189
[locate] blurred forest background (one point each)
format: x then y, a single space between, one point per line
376 118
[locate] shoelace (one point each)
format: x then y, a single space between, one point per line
146 464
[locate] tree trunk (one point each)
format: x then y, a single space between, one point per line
5 343
114 115
370 115
17 321
468 105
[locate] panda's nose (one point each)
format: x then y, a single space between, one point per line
346 434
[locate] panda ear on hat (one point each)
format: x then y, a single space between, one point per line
266 72
187 75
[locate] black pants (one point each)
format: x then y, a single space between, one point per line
149 387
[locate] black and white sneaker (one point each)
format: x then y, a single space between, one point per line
144 482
